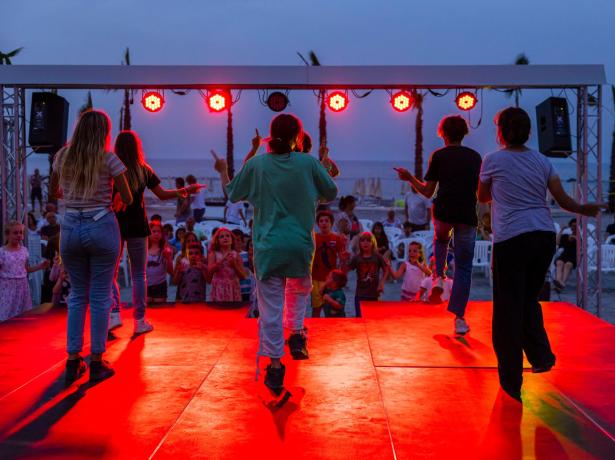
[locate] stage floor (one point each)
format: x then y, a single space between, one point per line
394 384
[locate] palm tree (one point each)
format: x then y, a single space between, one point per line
522 59
612 171
88 103
230 155
125 117
322 120
5 58
418 133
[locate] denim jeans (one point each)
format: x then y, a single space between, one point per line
464 238
137 254
281 304
89 249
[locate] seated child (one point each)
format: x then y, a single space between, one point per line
427 293
191 278
332 293
413 270
330 249
61 289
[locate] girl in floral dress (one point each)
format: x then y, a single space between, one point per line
15 295
225 266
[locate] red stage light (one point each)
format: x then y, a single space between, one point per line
401 101
337 101
217 101
152 101
466 100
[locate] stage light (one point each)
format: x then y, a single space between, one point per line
466 100
152 101
217 101
337 101
277 101
401 101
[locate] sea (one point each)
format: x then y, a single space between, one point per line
375 179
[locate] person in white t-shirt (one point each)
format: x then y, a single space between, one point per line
413 270
417 210
197 200
234 213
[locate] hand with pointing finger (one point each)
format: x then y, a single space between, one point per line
219 163
256 140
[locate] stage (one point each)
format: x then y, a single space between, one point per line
394 384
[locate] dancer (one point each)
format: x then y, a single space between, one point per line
283 187
515 180
134 228
85 172
15 297
454 169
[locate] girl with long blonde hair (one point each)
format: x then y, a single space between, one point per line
85 172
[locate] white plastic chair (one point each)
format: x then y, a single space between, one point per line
393 233
482 257
124 266
608 259
610 240
366 224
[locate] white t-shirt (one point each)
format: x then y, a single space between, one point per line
198 199
232 212
413 277
418 208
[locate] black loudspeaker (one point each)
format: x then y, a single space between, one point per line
553 127
48 122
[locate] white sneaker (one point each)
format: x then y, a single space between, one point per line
461 326
115 320
142 327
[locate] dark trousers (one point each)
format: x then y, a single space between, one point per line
519 268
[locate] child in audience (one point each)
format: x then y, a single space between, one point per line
333 294
178 239
15 296
191 279
427 293
182 255
382 240
61 289
372 270
414 271
225 267
392 220
329 247
245 284
159 264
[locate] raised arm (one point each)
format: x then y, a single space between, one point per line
256 143
427 189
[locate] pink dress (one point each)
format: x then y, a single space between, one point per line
225 282
14 288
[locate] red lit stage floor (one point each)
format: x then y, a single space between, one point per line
395 384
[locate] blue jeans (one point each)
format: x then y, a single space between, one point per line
137 254
89 250
464 238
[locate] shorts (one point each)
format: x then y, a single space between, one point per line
564 258
157 291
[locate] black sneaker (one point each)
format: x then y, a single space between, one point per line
297 343
100 370
274 378
75 368
543 368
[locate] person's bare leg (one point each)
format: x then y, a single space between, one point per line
566 274
559 268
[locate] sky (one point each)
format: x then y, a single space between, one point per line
345 32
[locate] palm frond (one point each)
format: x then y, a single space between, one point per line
314 59
522 59
14 52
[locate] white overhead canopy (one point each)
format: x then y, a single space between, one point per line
300 77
